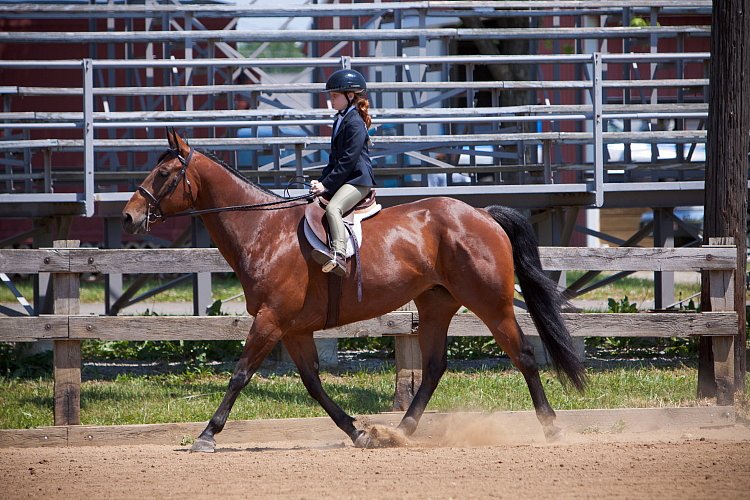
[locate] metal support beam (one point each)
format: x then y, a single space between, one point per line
112 282
201 281
663 237
88 136
598 132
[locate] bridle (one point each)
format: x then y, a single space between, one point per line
154 213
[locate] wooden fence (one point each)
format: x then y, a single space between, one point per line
67 327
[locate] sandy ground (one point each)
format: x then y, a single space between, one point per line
689 463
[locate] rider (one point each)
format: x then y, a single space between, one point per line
348 177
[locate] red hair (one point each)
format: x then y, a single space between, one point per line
363 108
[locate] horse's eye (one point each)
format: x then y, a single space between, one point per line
164 173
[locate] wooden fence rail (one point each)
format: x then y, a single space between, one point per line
67 327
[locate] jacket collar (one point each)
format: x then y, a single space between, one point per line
340 118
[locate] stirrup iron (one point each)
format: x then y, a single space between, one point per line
337 265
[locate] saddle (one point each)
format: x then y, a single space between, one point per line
316 222
315 226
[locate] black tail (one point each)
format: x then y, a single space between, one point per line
541 294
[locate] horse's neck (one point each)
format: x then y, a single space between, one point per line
221 188
228 229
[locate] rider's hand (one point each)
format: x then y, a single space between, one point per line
317 188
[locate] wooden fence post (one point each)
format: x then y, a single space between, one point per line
408 370
721 290
67 353
408 366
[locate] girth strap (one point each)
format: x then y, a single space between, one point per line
335 287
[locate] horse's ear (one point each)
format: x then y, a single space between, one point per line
181 145
171 138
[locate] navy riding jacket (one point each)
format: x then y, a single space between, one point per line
349 162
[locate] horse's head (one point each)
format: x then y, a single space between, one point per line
166 190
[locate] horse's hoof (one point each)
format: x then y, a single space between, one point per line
203 446
553 434
378 436
364 440
408 425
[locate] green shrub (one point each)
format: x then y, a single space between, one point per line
624 306
17 361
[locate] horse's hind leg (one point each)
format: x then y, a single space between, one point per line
510 338
305 355
262 338
436 309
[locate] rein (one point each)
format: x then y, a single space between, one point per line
155 212
271 205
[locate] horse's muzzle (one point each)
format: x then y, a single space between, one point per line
133 225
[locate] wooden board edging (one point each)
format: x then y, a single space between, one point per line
94 260
523 425
642 324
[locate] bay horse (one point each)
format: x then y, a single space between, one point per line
439 252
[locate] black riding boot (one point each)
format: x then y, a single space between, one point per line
336 265
330 261
321 257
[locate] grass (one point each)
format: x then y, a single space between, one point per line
194 396
635 288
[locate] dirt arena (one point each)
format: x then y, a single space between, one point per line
460 457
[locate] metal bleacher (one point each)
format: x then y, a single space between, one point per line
556 107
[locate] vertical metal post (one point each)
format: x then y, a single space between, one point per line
47 154
547 160
88 136
131 79
397 19
166 25
42 239
663 237
627 74
652 75
211 80
112 281
680 74
112 105
201 281
356 46
556 125
598 132
298 159
6 135
189 56
421 75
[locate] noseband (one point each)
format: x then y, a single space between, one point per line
155 213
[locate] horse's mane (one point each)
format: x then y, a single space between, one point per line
212 156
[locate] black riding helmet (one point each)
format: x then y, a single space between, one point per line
346 80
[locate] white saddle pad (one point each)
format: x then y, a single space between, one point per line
356 227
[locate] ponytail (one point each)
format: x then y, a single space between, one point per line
363 108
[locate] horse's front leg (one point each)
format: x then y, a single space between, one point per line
263 336
302 350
